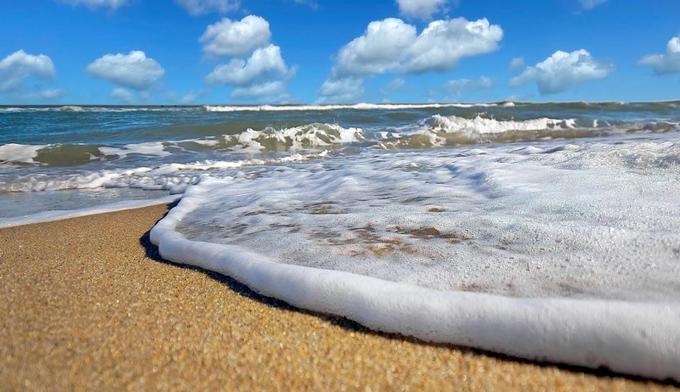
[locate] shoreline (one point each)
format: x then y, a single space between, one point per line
623 336
58 215
104 310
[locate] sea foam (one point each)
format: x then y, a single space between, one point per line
480 124
565 252
18 153
172 177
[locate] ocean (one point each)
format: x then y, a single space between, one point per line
540 230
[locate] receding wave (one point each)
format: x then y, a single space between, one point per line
171 177
73 154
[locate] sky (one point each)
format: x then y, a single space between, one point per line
333 51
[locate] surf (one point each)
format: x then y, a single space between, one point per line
531 251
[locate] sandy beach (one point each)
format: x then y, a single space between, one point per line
87 303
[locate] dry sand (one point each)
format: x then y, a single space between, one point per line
87 304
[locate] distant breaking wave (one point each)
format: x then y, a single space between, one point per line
612 106
171 177
357 106
609 106
235 108
96 109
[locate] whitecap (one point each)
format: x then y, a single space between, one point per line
19 153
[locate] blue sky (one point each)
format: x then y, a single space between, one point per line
304 51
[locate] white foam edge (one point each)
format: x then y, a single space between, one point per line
632 338
55 215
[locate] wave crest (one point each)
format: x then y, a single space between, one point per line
482 125
437 131
294 138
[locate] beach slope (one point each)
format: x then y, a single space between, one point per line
88 304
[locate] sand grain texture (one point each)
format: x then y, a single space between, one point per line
86 304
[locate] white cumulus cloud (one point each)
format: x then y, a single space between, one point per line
421 9
563 70
263 63
112 4
19 66
200 7
381 48
236 38
444 42
256 69
667 63
133 70
392 45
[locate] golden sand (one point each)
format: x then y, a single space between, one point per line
87 304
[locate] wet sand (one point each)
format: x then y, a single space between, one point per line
86 303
